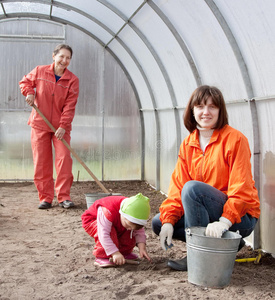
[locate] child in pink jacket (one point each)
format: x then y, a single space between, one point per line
117 225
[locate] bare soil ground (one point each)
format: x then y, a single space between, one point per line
46 254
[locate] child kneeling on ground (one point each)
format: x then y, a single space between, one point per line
117 225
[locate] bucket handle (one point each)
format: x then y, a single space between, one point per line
188 231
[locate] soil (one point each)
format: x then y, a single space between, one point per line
46 254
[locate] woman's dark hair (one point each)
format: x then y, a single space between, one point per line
200 95
62 46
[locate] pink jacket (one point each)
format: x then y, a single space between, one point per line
56 100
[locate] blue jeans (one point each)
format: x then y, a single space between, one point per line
203 204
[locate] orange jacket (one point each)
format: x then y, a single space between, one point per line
225 165
56 100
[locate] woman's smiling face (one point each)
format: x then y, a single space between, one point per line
61 61
206 114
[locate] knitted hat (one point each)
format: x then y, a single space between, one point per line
136 209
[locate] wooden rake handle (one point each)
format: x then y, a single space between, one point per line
128 261
72 151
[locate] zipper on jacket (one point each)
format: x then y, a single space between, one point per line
53 101
202 165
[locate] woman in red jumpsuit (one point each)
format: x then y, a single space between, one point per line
54 90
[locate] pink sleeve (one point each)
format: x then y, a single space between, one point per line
140 236
104 227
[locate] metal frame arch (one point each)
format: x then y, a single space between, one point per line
179 39
60 5
234 45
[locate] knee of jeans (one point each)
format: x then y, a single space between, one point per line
189 185
156 224
188 188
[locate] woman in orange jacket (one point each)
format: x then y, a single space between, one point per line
212 184
54 90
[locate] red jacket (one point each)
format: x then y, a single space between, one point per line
56 100
225 165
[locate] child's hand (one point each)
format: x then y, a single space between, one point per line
142 251
118 258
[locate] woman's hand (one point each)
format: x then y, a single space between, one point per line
218 228
166 234
118 258
30 99
60 133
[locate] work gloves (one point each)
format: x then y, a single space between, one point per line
165 235
216 229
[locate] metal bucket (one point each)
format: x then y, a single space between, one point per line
210 261
91 198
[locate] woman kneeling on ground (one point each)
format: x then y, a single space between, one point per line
212 184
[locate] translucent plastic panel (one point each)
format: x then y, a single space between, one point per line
125 6
253 25
266 111
151 145
83 22
106 129
88 64
29 28
122 128
207 43
15 147
97 10
12 70
239 116
135 73
149 65
87 138
87 143
26 7
170 54
184 131
169 149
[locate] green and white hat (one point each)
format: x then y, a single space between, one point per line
136 209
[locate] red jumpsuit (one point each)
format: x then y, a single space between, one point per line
57 101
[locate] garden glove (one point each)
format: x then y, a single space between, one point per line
166 232
216 229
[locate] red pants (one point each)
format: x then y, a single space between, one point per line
124 243
41 142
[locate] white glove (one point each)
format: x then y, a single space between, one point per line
216 229
166 232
